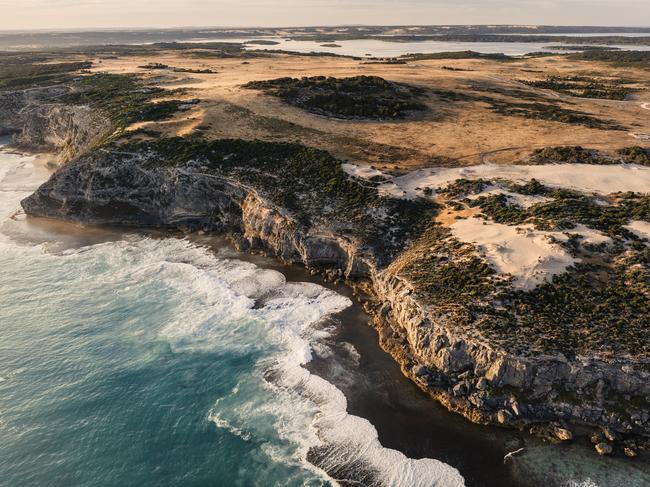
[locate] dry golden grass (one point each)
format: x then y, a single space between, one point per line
451 132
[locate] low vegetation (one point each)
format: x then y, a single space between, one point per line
639 59
582 47
566 155
591 308
451 68
535 107
30 74
155 66
555 215
565 210
457 55
635 155
552 113
583 87
309 183
597 306
122 98
366 97
159 66
579 155
446 272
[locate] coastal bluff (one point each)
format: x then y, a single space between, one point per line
135 185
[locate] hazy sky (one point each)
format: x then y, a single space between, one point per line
24 14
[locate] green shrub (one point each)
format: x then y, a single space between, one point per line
357 97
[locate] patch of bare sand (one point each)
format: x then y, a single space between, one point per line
529 255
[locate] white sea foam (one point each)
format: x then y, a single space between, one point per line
236 307
17 180
352 351
20 176
240 308
584 483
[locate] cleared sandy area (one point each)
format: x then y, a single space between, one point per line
587 178
640 228
530 256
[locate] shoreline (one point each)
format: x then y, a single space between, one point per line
464 371
449 361
413 407
61 236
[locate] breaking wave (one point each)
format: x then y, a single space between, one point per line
234 306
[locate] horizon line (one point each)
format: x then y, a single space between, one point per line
229 27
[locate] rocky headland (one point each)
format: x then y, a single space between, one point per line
212 187
450 320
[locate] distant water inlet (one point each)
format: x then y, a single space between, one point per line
387 48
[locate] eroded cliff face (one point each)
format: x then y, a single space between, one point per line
269 228
489 385
39 122
453 364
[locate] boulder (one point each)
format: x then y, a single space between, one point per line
461 389
503 416
604 448
629 452
596 437
562 434
482 384
609 434
420 371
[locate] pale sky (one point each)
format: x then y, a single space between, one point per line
54 14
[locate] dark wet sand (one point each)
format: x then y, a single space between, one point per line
406 418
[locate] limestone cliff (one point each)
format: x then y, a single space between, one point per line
39 121
454 364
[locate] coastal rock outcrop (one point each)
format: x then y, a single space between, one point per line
38 122
453 363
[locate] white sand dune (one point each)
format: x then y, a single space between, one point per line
640 228
363 172
527 254
531 256
587 178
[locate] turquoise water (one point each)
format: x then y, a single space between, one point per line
130 360
112 375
